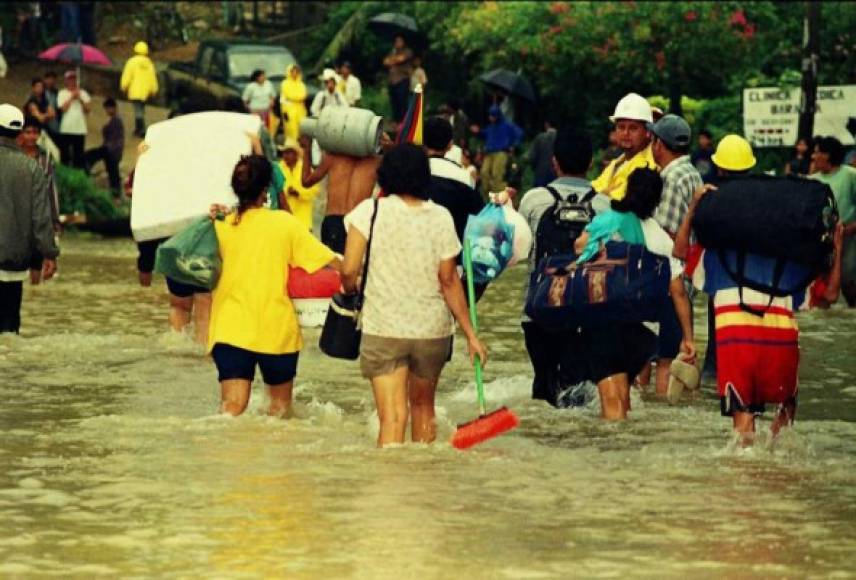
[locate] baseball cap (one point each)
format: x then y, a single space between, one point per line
11 117
672 130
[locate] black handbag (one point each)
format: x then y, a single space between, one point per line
342 333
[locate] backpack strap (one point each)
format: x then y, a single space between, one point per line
554 193
589 196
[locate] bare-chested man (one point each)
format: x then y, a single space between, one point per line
351 180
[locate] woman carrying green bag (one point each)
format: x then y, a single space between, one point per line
253 321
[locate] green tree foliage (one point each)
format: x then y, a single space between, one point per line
581 57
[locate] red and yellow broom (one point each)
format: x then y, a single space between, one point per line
487 425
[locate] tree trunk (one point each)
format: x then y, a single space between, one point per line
811 48
675 92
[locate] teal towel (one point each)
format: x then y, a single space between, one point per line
607 224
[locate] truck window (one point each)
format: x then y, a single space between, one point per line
218 66
205 59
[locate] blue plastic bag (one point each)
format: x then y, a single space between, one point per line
491 239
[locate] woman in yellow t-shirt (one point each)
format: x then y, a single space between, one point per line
300 199
253 322
292 100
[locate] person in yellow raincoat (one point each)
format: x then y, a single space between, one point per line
139 81
292 99
300 199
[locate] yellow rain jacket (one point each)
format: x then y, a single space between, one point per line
301 204
139 78
292 99
613 180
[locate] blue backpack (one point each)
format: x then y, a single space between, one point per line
624 283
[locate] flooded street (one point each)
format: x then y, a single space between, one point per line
114 462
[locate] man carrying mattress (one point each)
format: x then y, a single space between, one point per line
756 333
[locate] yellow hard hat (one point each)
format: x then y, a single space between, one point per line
734 153
141 48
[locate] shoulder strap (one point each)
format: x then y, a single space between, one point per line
362 290
589 196
554 193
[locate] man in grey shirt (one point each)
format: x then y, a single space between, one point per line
25 219
559 359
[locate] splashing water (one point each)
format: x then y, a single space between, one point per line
114 462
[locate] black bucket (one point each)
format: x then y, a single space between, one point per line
340 337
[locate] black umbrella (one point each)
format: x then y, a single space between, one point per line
392 24
510 82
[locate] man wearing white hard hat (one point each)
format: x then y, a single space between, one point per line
330 96
631 115
25 219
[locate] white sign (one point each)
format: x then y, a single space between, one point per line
771 114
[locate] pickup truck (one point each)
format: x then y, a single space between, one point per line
221 71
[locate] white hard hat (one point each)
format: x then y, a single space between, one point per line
634 107
11 117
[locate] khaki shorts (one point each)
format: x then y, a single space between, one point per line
425 357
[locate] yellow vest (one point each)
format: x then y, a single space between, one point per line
613 180
301 204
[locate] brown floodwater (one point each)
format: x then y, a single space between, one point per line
114 462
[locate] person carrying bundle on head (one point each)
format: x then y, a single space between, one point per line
756 293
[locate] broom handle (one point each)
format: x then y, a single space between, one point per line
471 300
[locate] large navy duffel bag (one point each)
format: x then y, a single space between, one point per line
789 218
624 283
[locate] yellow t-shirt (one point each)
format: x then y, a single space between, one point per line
301 204
250 307
613 180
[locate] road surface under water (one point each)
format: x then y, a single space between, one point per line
114 462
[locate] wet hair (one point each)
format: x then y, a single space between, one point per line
109 102
437 133
250 178
36 80
644 191
405 170
832 147
573 151
256 74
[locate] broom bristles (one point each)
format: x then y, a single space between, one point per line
484 428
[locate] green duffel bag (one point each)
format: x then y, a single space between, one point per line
192 256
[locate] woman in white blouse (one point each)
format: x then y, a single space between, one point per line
412 294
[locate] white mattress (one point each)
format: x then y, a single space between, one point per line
187 168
